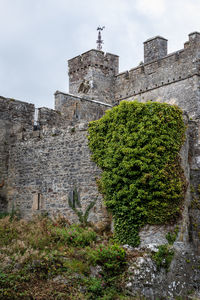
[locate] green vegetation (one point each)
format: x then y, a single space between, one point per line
137 146
163 257
50 259
111 258
75 204
3 215
171 236
13 214
165 253
74 235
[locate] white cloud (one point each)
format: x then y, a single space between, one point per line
151 8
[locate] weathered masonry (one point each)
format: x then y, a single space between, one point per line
39 168
43 161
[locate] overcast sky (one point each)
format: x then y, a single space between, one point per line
37 37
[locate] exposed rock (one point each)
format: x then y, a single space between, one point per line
60 279
95 271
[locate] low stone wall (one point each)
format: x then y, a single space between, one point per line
46 168
41 166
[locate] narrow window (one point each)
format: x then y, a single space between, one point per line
38 202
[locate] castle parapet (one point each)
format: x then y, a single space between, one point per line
93 58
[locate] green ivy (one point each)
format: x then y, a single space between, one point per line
137 146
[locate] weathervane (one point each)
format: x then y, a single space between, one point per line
99 40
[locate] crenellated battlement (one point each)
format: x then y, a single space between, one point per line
173 77
94 58
171 68
92 74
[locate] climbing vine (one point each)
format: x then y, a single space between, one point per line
137 146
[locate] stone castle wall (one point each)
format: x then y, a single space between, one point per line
45 168
41 168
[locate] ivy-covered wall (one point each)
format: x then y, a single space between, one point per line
137 146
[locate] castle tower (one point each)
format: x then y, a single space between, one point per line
92 75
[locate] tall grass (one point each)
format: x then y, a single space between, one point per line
50 259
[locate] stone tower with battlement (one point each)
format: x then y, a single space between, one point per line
92 74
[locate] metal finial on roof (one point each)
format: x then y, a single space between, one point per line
99 40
